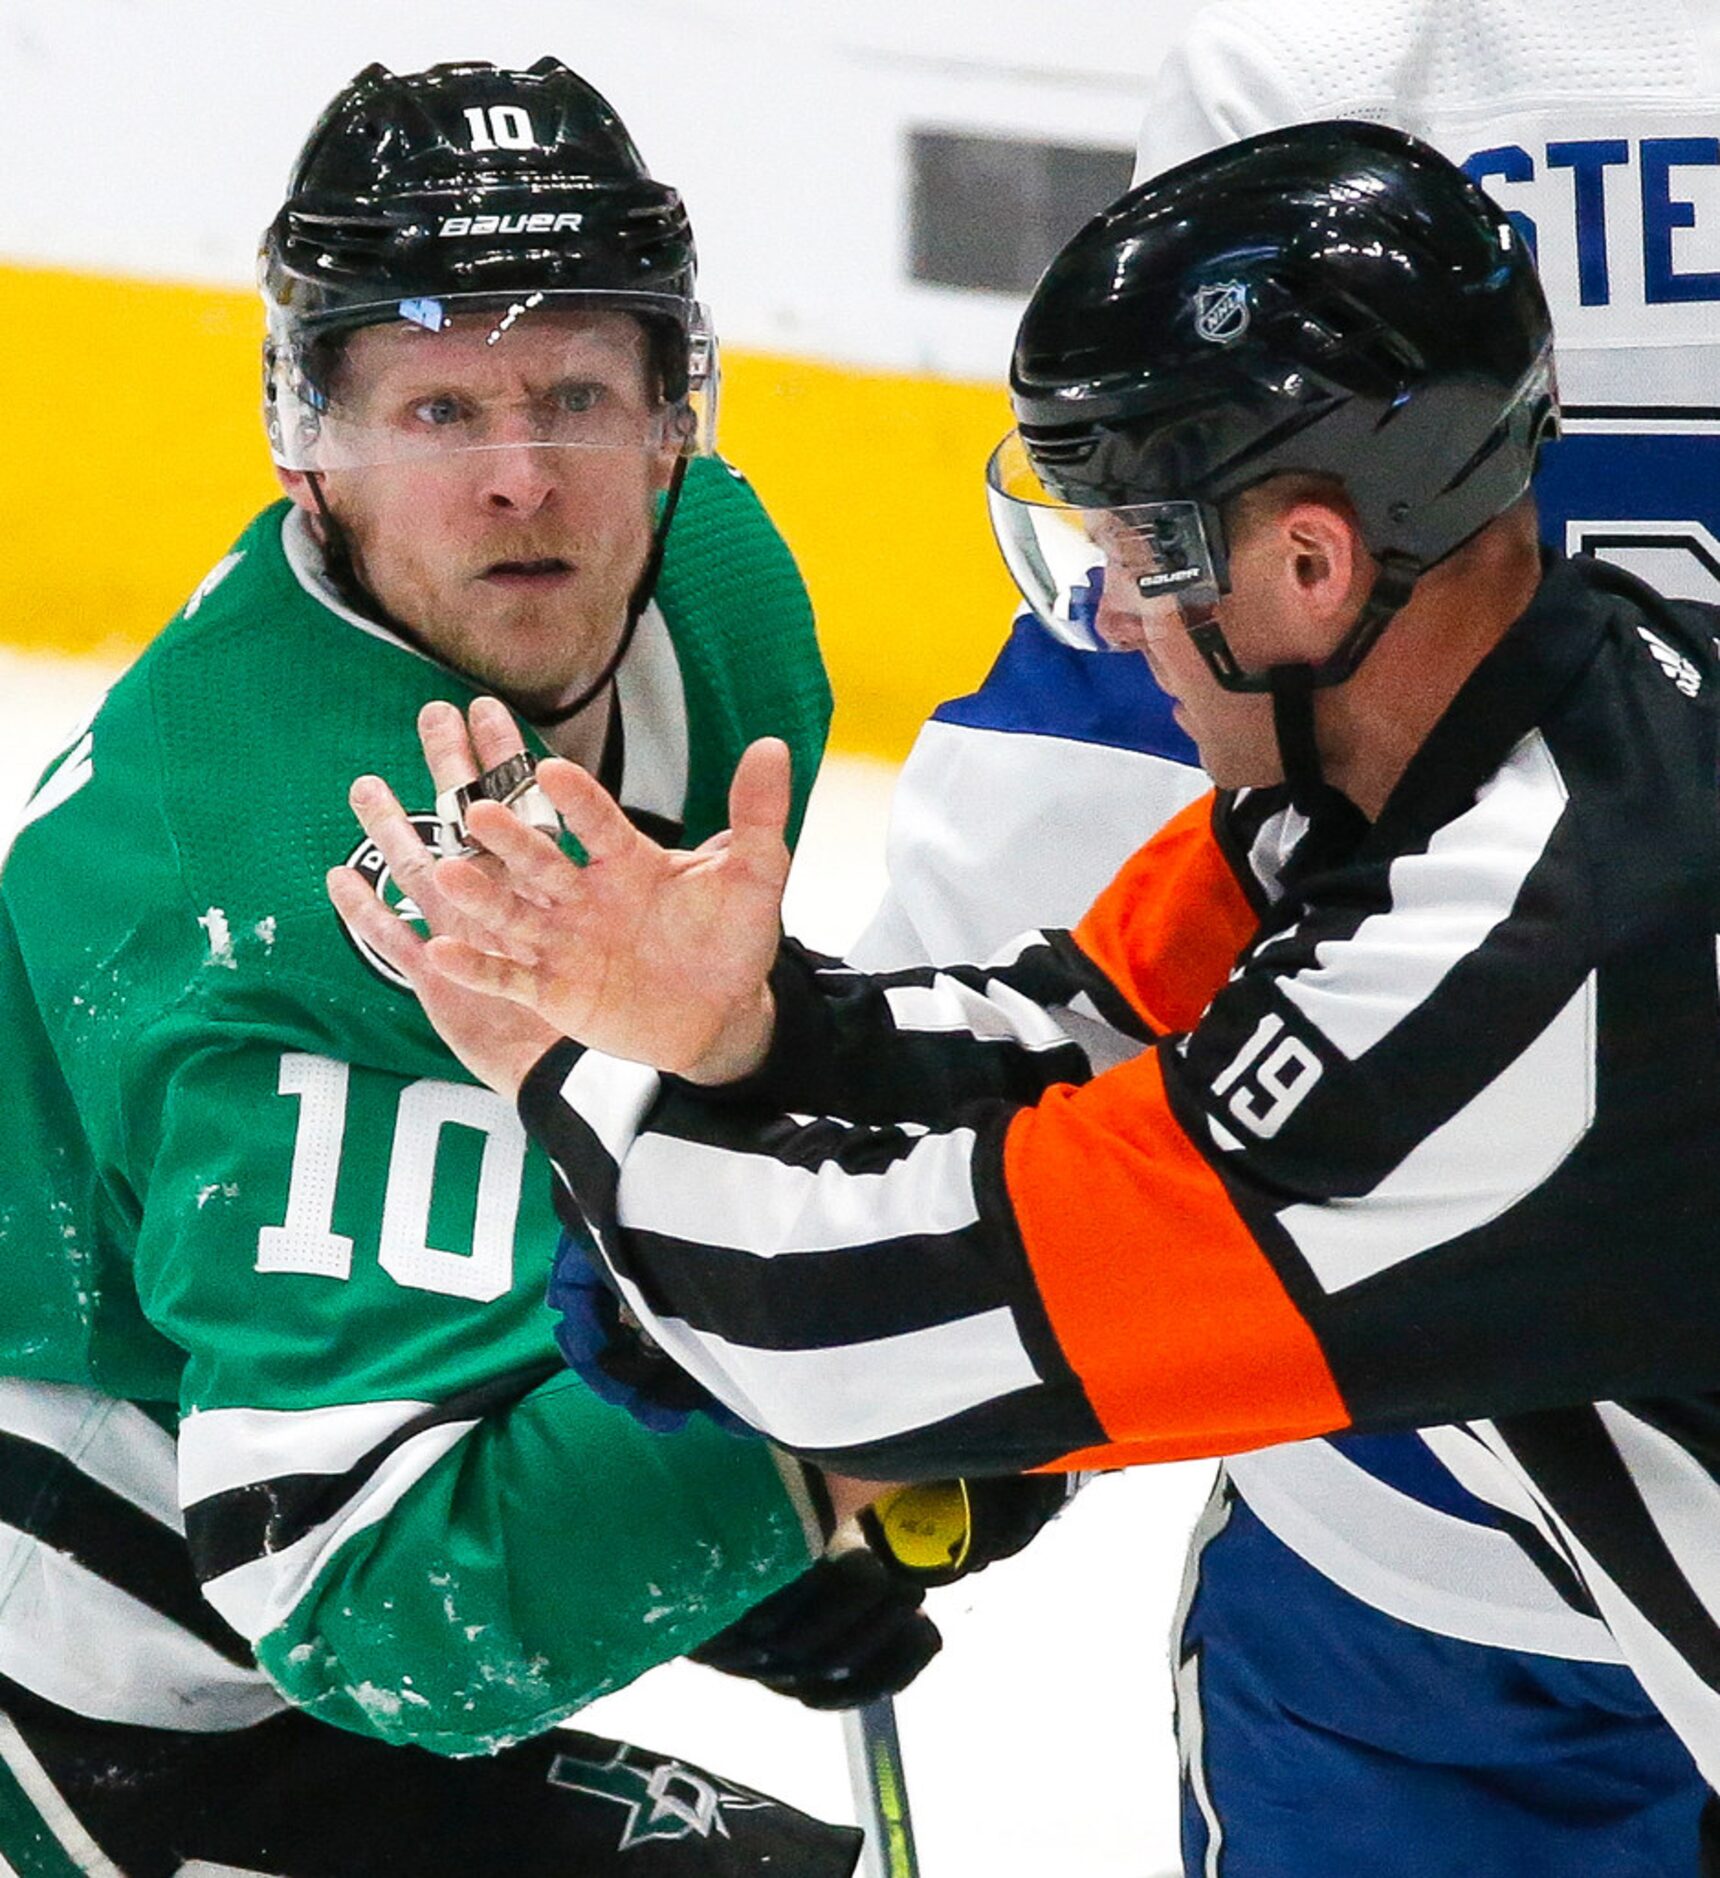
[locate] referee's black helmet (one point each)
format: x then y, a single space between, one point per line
1335 298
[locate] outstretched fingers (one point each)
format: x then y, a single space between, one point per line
536 868
375 924
759 800
493 912
447 746
398 842
495 735
478 970
592 815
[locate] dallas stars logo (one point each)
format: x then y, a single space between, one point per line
667 1801
367 858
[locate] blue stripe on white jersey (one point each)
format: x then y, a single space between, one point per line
1043 688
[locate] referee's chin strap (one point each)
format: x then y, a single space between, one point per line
1293 687
342 569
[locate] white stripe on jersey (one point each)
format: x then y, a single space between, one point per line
117 1445
1689 1704
1103 1044
1274 843
611 1096
57 1815
220 1449
653 702
994 830
754 1203
1493 1152
73 1638
1682 1497
1410 1560
844 1395
1477 1469
1185 1677
947 1006
1444 903
259 1596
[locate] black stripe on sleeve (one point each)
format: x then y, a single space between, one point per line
1573 1464
233 1528
798 1299
837 1049
1104 996
587 1176
804 1300
559 1130
1008 1435
1028 1428
810 1142
44 1494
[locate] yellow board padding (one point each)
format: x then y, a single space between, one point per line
132 455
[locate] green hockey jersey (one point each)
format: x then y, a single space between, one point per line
277 1383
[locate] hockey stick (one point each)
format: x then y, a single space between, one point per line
880 1790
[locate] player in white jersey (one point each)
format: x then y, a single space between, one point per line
1352 1599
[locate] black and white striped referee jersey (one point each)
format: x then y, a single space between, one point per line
1424 1133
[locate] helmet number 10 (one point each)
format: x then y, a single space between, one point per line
501 127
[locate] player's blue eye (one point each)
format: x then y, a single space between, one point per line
578 395
437 411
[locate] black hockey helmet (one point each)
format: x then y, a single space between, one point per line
467 188
1335 298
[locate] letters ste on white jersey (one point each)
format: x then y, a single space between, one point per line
1621 208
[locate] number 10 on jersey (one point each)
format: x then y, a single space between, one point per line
306 1242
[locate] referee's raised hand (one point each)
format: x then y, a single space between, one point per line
645 952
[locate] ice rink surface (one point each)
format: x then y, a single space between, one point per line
1039 1742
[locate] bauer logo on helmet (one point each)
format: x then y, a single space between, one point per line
542 223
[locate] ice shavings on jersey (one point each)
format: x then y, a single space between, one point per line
214 923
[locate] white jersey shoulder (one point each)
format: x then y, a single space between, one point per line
995 831
1592 123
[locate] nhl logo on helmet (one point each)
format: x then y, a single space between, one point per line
1221 311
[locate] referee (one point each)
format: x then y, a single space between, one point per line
1420 1132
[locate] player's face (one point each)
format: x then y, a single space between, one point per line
513 561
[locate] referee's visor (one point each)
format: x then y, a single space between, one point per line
1100 579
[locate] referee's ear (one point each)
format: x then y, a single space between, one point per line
1300 574
1326 566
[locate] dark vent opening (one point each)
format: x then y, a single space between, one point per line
988 213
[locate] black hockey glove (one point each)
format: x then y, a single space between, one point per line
844 1633
940 1530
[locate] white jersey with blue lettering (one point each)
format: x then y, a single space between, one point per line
1595 126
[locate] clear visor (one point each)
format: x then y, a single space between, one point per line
426 381
1105 580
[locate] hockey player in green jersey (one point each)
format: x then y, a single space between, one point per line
284 1437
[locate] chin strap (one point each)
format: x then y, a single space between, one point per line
1293 688
1393 585
643 588
341 566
